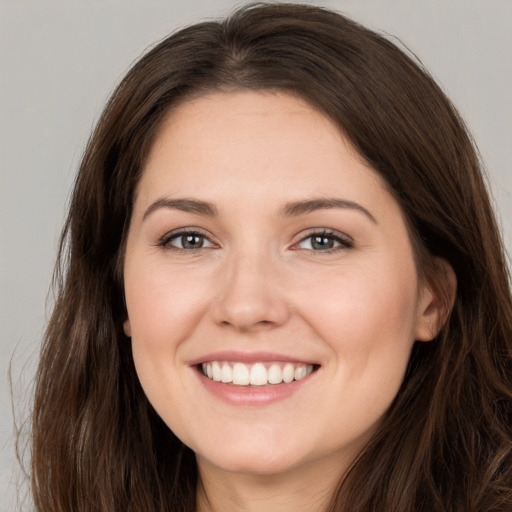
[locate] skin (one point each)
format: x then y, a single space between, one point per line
258 284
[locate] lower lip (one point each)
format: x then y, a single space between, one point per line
252 395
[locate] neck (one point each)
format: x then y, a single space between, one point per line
311 490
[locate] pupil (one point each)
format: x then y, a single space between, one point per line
192 241
322 242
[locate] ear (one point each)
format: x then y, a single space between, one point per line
436 299
127 328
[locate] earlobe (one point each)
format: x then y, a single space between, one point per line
437 297
127 328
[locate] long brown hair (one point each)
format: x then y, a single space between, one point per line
446 442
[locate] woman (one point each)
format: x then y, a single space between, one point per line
281 285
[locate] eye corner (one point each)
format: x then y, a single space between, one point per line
323 241
184 238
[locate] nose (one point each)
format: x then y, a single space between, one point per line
250 294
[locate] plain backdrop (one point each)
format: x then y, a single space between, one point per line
59 60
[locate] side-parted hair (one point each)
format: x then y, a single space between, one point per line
445 444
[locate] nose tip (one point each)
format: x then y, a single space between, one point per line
249 319
250 298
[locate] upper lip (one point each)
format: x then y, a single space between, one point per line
249 358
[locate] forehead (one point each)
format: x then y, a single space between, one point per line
249 138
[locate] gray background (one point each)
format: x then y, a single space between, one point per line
59 60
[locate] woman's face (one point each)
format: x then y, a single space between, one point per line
263 252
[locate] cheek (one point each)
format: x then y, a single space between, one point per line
162 309
162 306
367 316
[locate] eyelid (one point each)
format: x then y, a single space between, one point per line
344 240
164 241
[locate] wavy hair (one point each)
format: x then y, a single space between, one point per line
445 444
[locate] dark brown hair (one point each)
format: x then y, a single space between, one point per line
446 442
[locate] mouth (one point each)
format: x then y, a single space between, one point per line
238 373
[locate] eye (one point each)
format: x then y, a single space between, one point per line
324 241
186 240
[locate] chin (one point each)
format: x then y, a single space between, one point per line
245 457
256 464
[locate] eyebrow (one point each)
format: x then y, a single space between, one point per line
292 209
297 208
184 205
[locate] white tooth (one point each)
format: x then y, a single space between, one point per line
227 373
216 371
275 375
309 369
203 368
209 371
300 372
258 375
240 374
288 373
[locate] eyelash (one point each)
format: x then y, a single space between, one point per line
344 241
165 241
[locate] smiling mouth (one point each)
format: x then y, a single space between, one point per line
257 374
